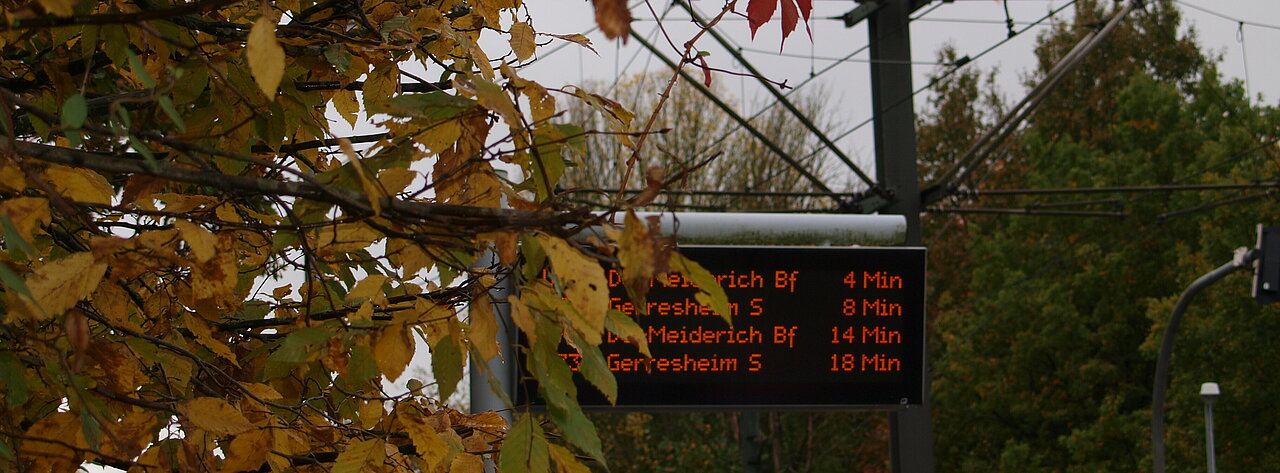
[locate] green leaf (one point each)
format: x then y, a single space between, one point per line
141 148
74 112
12 281
338 56
6 452
524 449
166 104
18 246
431 105
624 326
577 429
135 65
296 345
91 427
594 368
709 291
362 365
11 373
446 363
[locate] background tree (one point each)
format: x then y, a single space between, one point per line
692 131
1045 346
201 274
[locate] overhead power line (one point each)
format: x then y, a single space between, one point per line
950 180
1226 17
782 99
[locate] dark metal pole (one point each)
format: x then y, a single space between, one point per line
1241 261
911 430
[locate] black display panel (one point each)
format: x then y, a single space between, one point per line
812 327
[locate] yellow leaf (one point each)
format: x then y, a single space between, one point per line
287 442
262 391
348 107
580 40
408 255
12 179
59 285
380 85
129 435
203 243
59 7
566 461
584 285
371 189
524 319
394 180
345 238
247 452
371 413
204 336
214 415
80 185
368 288
393 350
483 330
28 214
362 456
467 464
433 449
440 136
522 42
63 427
637 251
266 56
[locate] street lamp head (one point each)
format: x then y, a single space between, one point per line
1210 391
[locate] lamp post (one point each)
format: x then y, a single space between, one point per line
1209 392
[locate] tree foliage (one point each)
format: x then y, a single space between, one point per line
1044 351
200 273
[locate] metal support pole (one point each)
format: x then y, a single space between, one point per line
483 397
911 430
1242 260
750 442
1208 431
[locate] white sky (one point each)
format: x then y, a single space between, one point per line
848 82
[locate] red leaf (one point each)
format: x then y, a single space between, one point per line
706 71
789 18
760 12
806 8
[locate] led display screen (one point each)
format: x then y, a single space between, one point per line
812 327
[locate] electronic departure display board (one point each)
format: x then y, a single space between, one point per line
812 327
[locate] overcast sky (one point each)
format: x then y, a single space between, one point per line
972 26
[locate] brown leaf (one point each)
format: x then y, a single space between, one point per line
141 186
77 327
653 180
247 452
613 17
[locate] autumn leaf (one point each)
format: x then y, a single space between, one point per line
583 282
214 415
58 285
613 17
27 214
360 457
433 449
266 56
393 350
247 452
522 42
710 293
203 243
760 12
80 185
